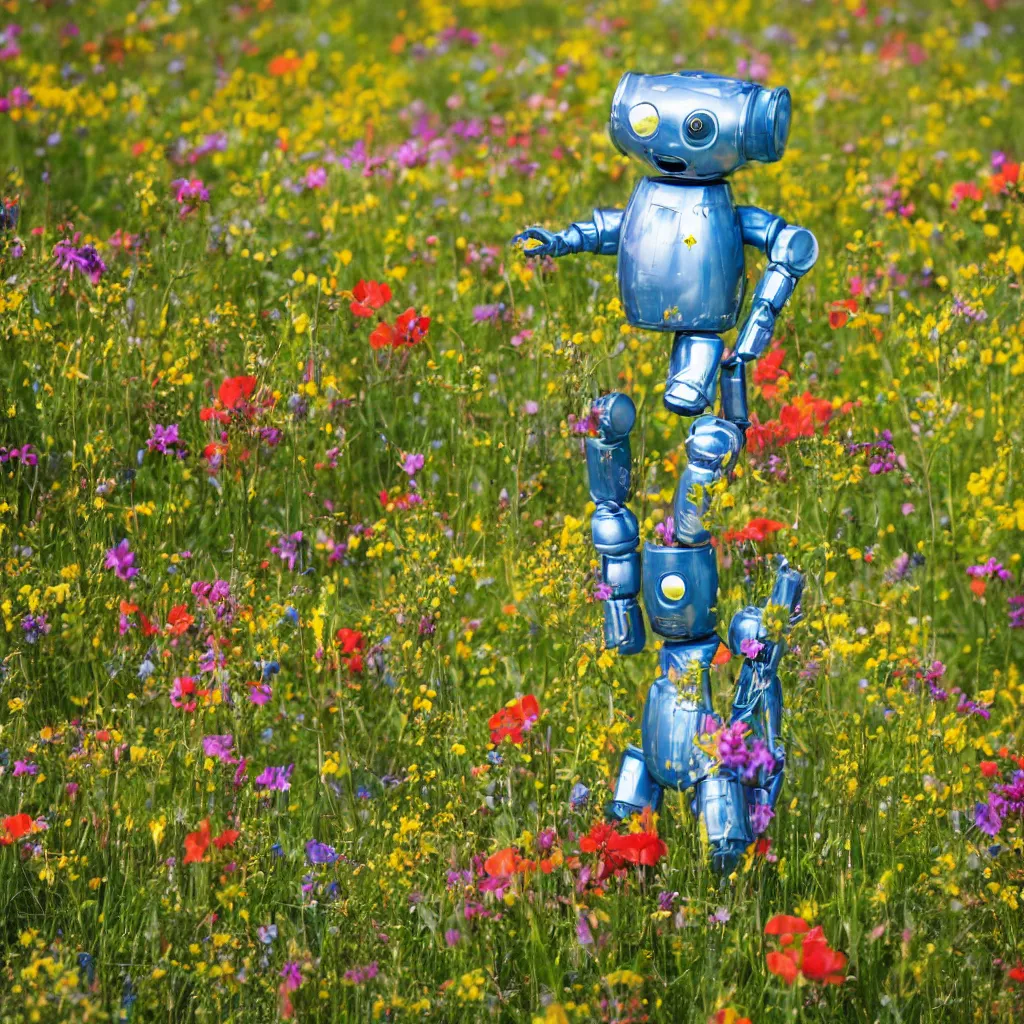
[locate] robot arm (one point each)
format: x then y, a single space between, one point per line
600 235
792 251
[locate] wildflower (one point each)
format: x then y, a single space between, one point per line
275 778
219 747
579 796
409 329
452 936
369 296
804 951
266 933
1016 611
162 439
987 817
189 193
183 692
34 628
751 648
352 642
756 530
14 827
513 720
315 178
196 843
121 559
412 464
82 259
320 853
361 975
288 547
232 397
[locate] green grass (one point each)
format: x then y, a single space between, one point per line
483 591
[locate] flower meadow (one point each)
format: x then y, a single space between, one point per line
304 712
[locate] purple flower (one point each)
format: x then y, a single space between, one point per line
732 750
667 899
267 933
25 768
292 974
530 407
720 916
219 747
987 818
1016 611
189 193
287 547
760 817
760 758
361 975
487 314
602 592
751 648
412 464
84 259
35 627
452 936
316 177
989 569
320 853
121 559
583 933
273 777
162 438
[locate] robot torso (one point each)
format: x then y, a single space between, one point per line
680 257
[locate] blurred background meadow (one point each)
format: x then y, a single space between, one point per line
304 712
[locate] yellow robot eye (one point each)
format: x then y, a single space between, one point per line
644 120
673 587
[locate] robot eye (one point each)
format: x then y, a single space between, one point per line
644 120
700 128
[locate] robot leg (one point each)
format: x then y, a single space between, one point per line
692 372
721 803
635 789
711 447
614 527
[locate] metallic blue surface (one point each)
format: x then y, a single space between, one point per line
681 257
680 247
614 527
690 573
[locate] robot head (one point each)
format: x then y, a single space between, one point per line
694 126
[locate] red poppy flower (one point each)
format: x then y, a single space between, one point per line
232 396
515 720
368 296
226 838
196 843
783 965
768 368
408 330
989 769
786 926
819 962
16 826
178 619
643 848
1016 973
756 530
350 640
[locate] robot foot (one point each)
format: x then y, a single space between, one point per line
635 789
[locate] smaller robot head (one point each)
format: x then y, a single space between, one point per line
694 126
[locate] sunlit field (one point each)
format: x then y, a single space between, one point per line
304 708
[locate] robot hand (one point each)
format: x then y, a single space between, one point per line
562 244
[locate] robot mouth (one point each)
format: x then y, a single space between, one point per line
670 164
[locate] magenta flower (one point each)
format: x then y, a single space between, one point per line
275 778
189 193
288 547
751 648
25 768
412 464
219 747
162 438
316 177
121 559
292 975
